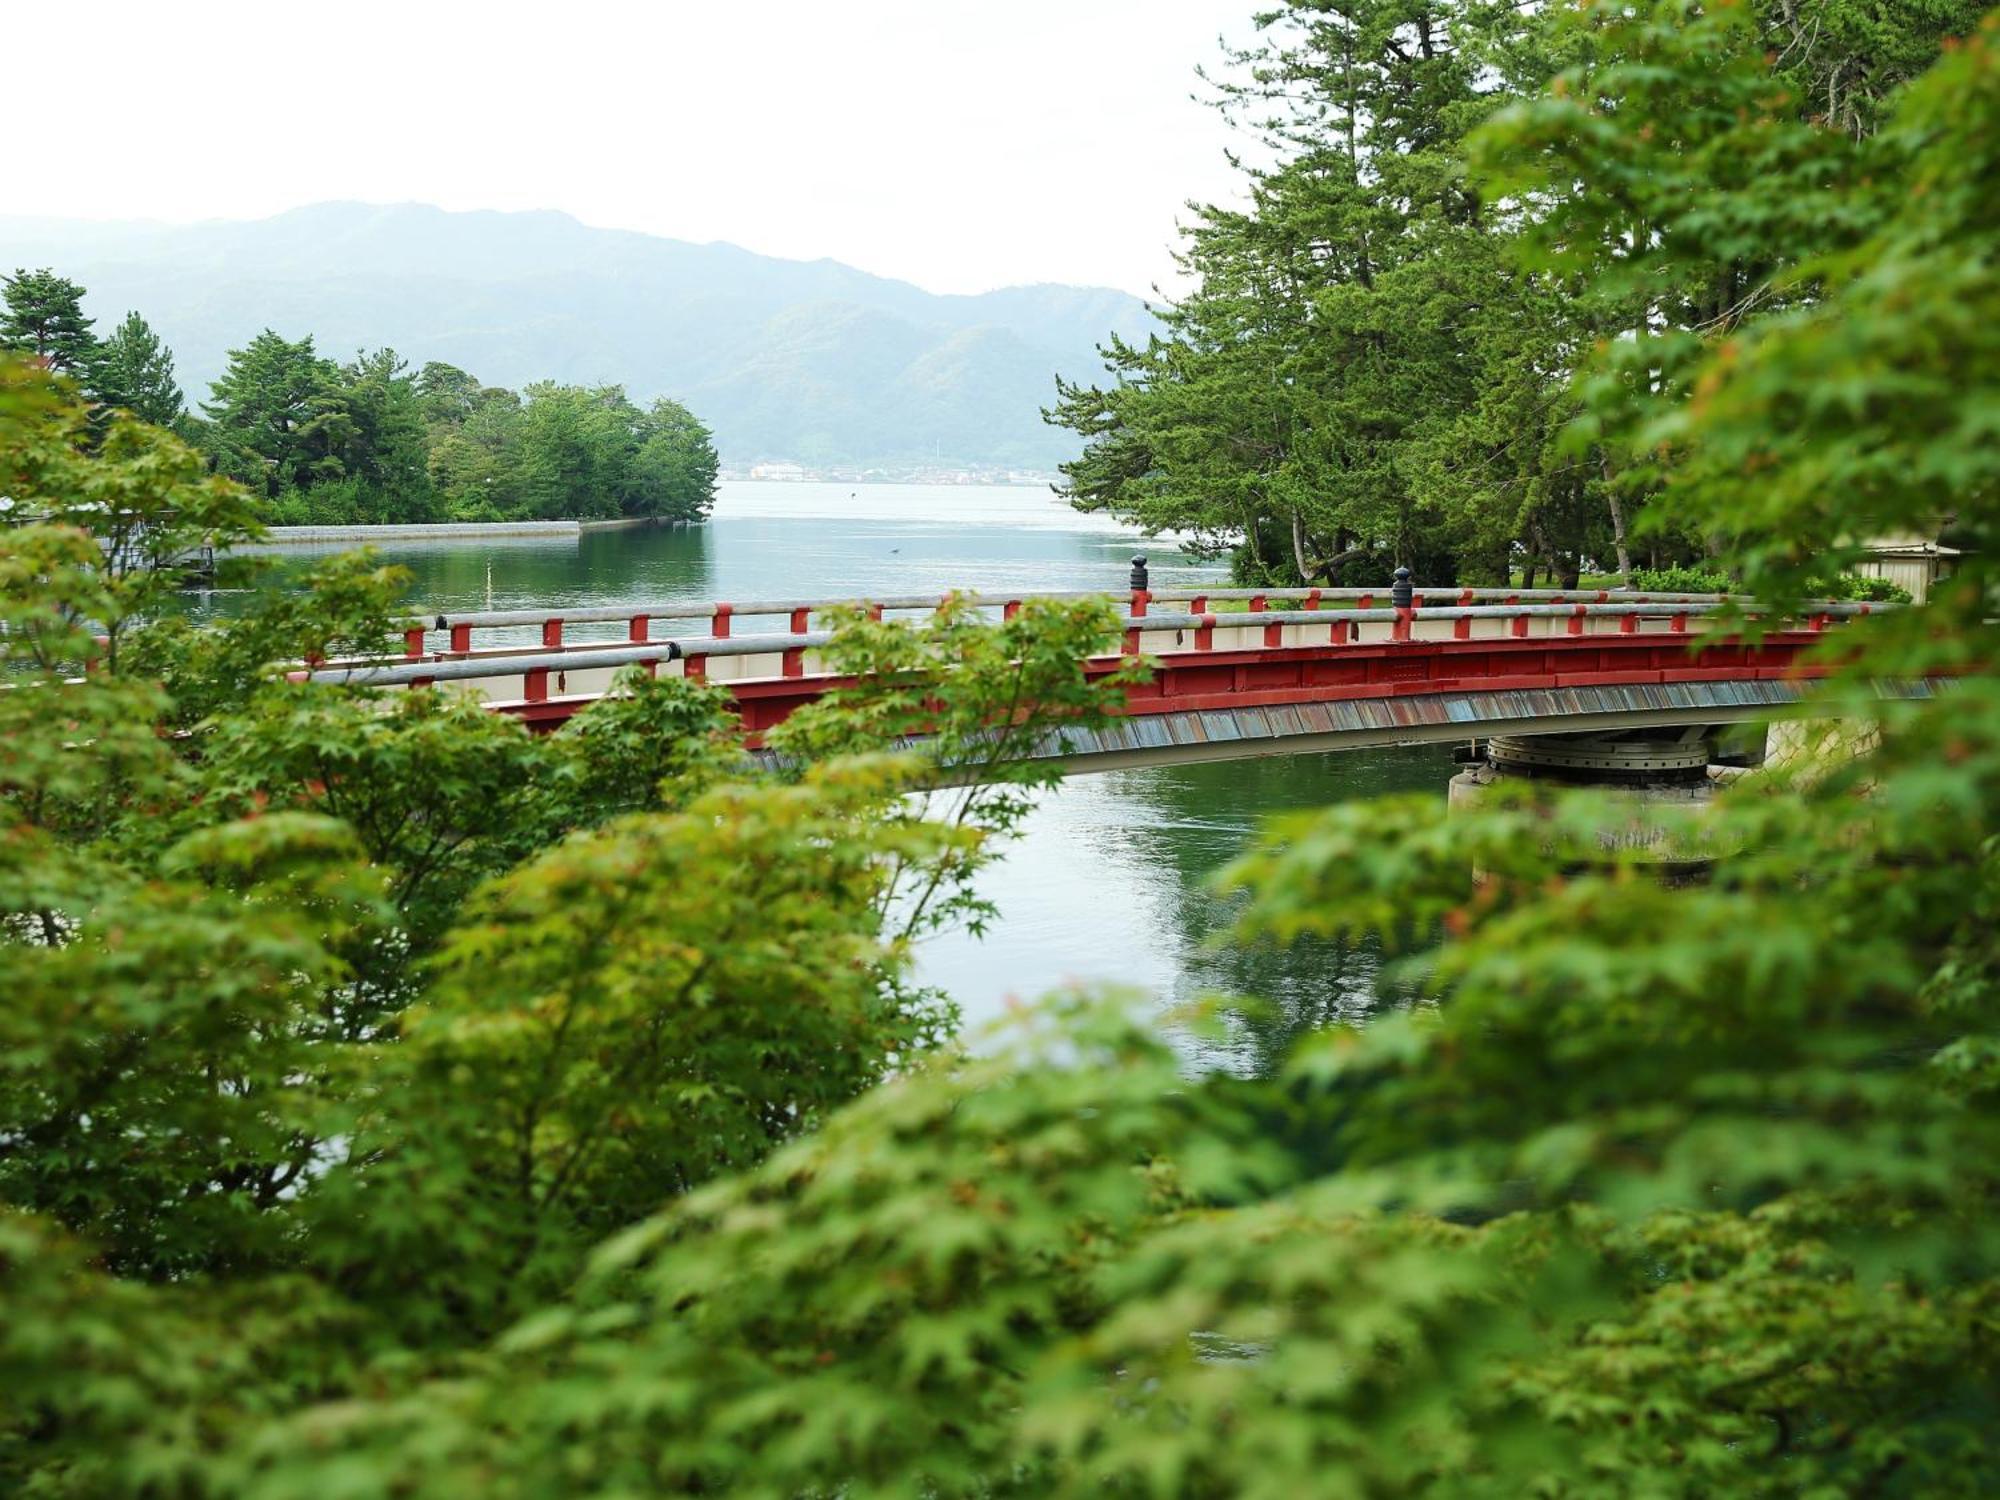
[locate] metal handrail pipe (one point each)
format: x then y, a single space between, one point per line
1842 609
1437 591
387 674
607 613
456 669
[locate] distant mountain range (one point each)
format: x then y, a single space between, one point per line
811 361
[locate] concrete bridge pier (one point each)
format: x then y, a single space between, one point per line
1657 782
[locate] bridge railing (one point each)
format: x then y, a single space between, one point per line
557 625
1521 615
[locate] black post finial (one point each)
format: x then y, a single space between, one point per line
1139 583
1401 593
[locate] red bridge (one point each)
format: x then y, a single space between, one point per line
1292 670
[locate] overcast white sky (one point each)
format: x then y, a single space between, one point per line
961 144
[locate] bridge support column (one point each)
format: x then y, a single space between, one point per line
1810 748
1655 782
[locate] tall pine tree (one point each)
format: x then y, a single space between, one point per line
273 417
43 317
135 371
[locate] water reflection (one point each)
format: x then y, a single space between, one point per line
1110 884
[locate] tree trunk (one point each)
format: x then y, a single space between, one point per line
1306 570
1618 531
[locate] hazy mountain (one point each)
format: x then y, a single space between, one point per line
809 360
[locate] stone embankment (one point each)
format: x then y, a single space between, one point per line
444 531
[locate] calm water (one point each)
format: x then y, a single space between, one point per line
1109 882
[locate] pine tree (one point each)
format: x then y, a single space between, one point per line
272 416
44 317
135 371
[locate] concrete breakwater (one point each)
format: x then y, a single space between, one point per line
443 531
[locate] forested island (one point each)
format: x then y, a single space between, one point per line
368 441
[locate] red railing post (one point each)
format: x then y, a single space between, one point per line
1312 598
1519 626
413 642
535 684
1204 633
1628 624
1575 626
1678 624
1339 633
640 630
1461 628
1400 630
718 625
801 621
1274 635
874 611
696 668
1011 609
461 637
552 634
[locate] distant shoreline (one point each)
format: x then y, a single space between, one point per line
437 531
960 479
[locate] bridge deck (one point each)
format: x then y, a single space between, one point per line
1260 682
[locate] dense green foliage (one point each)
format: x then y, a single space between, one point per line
367 442
380 1013
1375 363
1698 580
392 1104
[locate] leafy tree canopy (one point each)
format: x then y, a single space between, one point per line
1375 364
